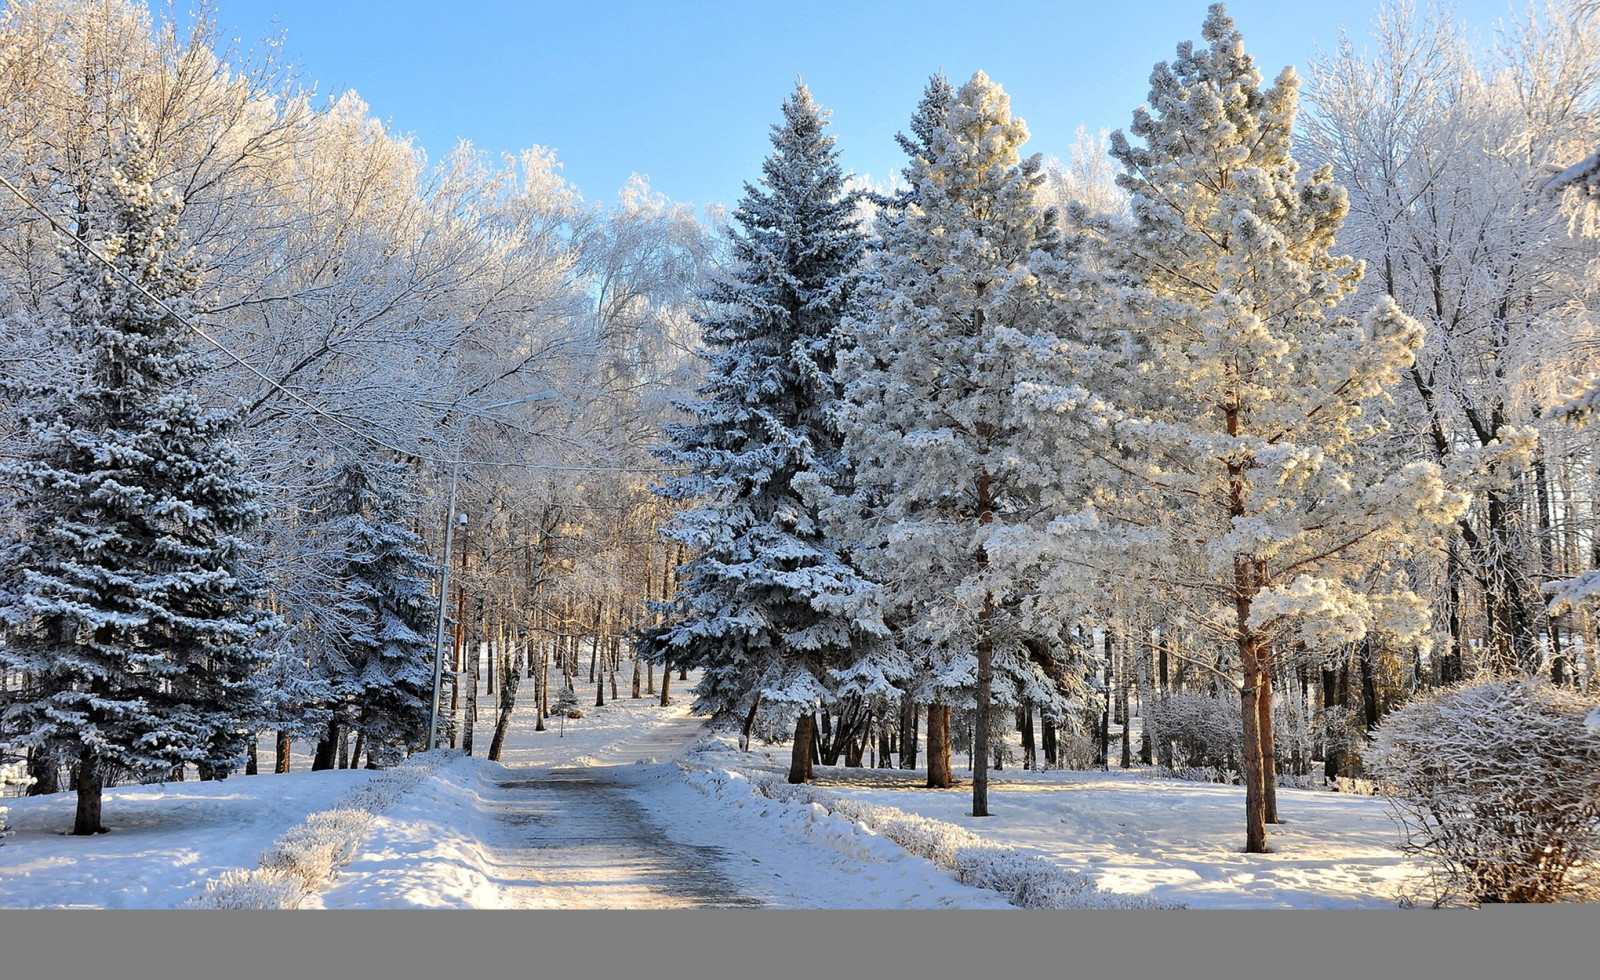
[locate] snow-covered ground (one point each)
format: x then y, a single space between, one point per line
637 807
166 839
1134 834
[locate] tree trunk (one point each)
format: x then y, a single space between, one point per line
45 769
940 775
510 680
800 754
252 764
637 676
541 699
749 722
91 782
1332 751
1269 752
360 747
908 733
281 762
1051 743
327 754
1369 687
666 683
980 724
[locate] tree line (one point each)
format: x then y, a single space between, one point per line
1004 451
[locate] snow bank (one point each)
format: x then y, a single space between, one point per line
1026 881
306 858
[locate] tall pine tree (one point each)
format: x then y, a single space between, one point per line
769 608
131 607
1254 415
963 285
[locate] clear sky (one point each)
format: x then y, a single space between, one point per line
685 92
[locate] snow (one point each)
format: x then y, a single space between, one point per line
166 839
638 807
1137 835
449 845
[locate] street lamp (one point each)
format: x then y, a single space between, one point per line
450 522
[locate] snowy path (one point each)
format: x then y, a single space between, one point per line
578 840
574 837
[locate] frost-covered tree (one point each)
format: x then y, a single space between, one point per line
768 607
130 605
961 285
379 609
1445 145
1259 435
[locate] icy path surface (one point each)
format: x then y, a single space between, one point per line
577 839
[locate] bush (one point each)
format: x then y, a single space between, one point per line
1497 783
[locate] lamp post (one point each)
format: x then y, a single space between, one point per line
450 521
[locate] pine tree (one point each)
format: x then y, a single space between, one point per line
962 285
379 661
132 607
1254 414
769 608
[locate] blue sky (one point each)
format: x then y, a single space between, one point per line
685 92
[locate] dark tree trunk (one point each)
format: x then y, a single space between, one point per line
1451 669
281 760
908 733
1369 687
800 755
666 683
885 745
45 769
1052 745
252 765
1332 753
327 754
1030 753
940 775
91 783
749 723
509 681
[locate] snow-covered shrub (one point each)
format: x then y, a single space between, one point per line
1498 783
1355 785
306 858
1203 727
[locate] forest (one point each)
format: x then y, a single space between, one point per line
1250 444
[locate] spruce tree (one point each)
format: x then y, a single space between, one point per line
769 608
378 662
1253 414
965 282
130 604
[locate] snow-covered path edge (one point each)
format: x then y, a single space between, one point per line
307 857
1025 881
